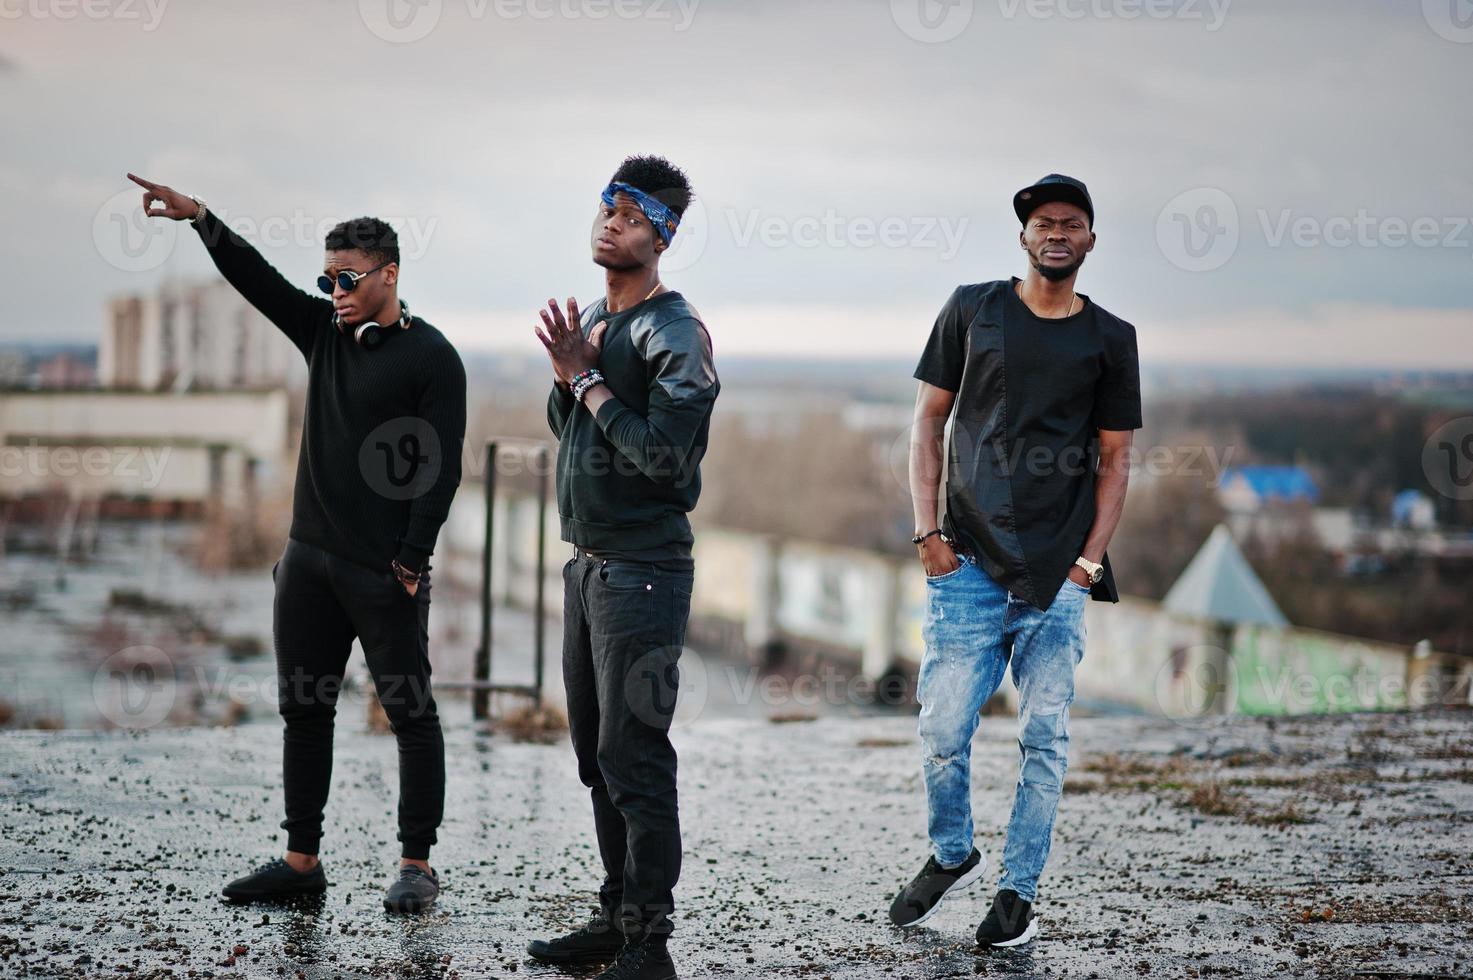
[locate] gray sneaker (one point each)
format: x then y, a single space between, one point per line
415 890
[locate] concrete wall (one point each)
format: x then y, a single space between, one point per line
163 446
864 611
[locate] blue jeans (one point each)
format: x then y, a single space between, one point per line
973 627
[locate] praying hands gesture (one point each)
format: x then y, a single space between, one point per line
570 352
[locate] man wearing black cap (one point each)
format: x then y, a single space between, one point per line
1045 389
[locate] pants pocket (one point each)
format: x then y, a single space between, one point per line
627 576
961 563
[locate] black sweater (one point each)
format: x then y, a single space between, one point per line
384 430
627 478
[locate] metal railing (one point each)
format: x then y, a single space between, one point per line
481 685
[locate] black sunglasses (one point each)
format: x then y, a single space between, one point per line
347 279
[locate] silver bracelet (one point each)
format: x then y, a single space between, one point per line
199 214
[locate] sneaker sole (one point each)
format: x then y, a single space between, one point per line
1028 935
408 907
964 881
574 959
273 896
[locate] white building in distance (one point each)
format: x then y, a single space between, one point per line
193 336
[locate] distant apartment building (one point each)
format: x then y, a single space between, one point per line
67 371
13 369
193 336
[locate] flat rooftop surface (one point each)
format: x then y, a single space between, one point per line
1331 846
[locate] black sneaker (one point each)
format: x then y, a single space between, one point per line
1010 923
415 891
597 942
920 899
276 879
646 960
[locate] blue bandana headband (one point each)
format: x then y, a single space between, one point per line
664 220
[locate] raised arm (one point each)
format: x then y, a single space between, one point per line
294 312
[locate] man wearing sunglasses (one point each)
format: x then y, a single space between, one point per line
379 465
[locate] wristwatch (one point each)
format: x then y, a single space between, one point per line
199 210
1094 571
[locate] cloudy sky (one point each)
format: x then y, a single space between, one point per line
1282 182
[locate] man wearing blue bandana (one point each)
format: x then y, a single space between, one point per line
631 404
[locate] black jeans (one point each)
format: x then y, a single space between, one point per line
623 628
322 603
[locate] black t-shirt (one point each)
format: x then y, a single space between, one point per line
1031 394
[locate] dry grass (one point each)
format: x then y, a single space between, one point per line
1212 799
531 723
1196 785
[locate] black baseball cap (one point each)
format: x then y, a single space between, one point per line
1054 187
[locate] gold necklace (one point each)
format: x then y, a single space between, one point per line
658 286
1018 290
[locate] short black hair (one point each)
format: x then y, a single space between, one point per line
659 178
377 239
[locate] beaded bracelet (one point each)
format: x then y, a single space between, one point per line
583 382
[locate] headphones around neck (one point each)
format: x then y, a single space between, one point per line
370 334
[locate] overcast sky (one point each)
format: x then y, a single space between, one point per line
1278 182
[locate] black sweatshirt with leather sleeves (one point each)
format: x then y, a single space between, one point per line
628 477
